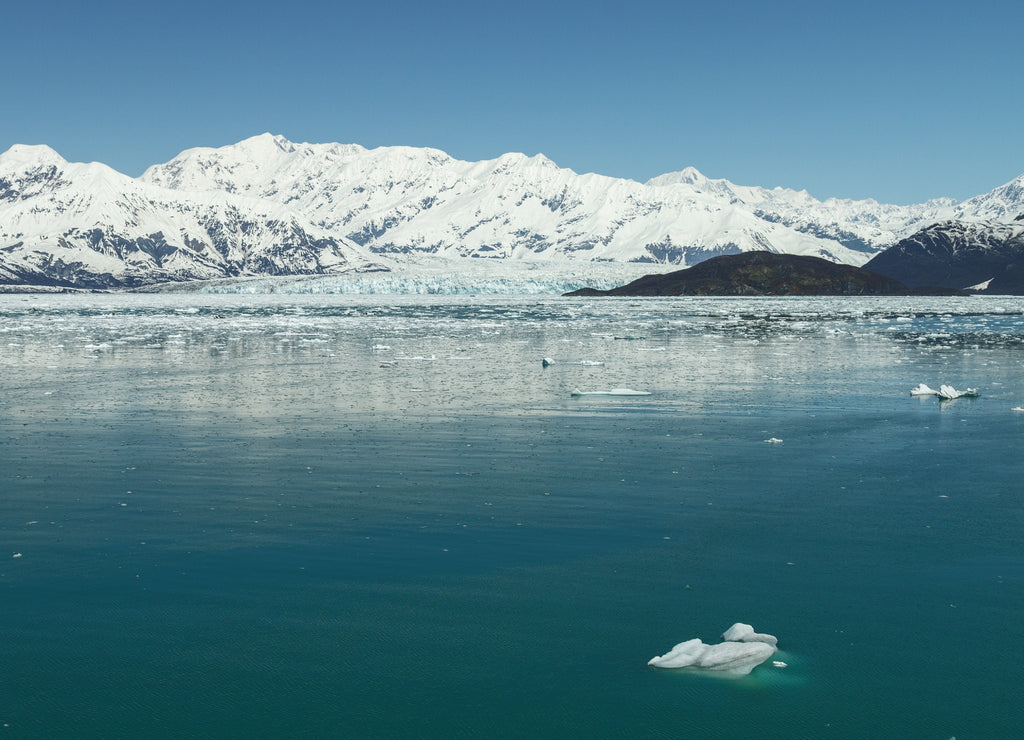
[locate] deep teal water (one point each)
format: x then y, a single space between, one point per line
348 517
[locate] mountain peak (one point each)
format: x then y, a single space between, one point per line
685 176
20 156
266 141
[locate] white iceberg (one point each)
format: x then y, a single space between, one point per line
612 392
948 393
742 651
548 362
740 632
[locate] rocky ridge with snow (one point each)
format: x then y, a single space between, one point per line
268 206
977 256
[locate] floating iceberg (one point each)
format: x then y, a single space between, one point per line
548 362
946 392
741 652
740 632
612 392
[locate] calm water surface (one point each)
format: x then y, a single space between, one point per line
287 516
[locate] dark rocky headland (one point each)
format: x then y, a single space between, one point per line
766 274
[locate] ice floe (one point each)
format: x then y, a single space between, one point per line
741 651
946 392
548 362
611 392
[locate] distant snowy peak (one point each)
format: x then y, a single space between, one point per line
25 156
687 175
248 166
87 225
1005 203
269 206
406 200
960 255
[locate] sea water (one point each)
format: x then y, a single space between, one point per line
345 516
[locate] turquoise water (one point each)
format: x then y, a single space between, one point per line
369 517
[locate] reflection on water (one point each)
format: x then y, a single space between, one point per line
384 516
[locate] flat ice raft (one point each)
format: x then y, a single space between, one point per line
946 392
741 652
612 392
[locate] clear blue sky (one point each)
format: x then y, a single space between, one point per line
900 101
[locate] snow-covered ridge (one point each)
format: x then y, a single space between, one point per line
269 206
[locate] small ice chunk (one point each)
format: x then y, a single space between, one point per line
948 392
740 632
612 392
923 390
737 632
546 362
773 441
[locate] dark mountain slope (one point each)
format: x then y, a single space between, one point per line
761 274
956 254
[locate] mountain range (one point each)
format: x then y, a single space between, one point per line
267 206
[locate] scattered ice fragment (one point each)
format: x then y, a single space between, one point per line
16 555
547 362
773 441
948 393
612 392
1017 408
779 664
741 652
740 632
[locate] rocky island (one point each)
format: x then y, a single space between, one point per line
766 274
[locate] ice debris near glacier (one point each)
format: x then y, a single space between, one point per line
738 654
945 392
576 393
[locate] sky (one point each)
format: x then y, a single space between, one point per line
901 101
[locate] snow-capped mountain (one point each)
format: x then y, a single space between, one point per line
981 256
87 225
268 206
399 200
